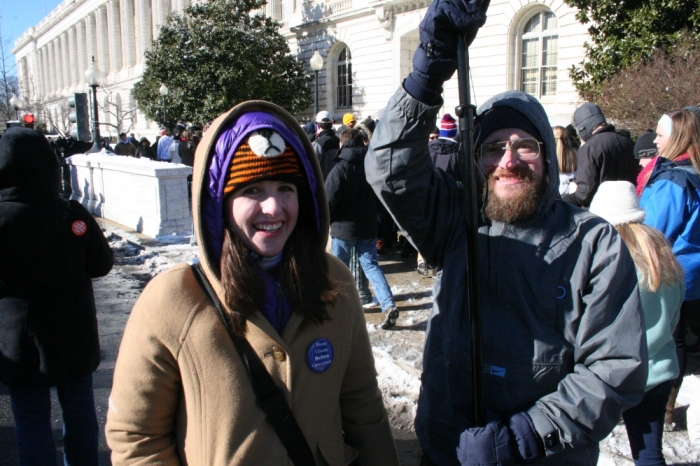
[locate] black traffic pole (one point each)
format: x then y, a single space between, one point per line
165 114
96 139
316 94
466 111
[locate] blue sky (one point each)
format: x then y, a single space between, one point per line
16 16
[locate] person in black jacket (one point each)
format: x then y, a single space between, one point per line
353 209
444 151
327 143
605 155
48 327
145 150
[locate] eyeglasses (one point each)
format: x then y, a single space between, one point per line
524 149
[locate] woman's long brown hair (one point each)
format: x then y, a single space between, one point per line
566 155
652 254
304 275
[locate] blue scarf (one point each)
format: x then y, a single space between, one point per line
275 308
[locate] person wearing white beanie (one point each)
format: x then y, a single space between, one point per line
617 202
661 289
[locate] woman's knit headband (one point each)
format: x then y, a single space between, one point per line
666 123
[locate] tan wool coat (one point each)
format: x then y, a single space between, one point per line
181 394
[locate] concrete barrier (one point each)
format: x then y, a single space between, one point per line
148 196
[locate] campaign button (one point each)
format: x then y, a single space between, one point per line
320 355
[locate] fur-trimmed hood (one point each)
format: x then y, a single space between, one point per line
210 172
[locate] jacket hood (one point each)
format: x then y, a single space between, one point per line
352 152
213 157
534 112
29 169
586 118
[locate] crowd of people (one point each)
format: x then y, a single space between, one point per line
258 353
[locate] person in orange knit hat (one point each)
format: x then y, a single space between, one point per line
182 391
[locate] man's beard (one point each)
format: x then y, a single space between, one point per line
522 205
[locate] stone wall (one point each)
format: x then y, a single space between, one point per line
150 197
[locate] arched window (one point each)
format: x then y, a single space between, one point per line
344 72
538 65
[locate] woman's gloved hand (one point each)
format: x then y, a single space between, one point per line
500 444
435 60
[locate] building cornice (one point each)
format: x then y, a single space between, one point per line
345 10
59 13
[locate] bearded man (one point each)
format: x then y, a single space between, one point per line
564 349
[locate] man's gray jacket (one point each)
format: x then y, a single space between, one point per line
563 330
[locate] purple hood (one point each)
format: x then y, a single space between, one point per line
229 137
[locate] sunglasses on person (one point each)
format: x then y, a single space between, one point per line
525 149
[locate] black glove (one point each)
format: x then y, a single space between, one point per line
499 444
435 60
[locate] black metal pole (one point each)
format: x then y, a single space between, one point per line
96 143
466 112
17 113
316 95
165 114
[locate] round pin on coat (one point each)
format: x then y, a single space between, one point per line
320 355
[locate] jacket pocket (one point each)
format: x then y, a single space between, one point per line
336 452
14 340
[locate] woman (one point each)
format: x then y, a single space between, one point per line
186 148
661 289
145 150
181 392
671 199
566 156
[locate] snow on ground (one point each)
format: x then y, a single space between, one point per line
398 352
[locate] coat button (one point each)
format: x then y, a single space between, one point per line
278 353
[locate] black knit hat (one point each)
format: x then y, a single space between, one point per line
503 117
693 108
645 147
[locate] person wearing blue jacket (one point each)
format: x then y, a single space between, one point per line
671 199
564 353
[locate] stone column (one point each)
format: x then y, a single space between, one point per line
50 67
115 42
128 34
58 59
72 57
91 40
101 33
39 73
163 11
65 58
46 70
143 28
22 75
82 52
33 72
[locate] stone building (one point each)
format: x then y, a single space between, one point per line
367 46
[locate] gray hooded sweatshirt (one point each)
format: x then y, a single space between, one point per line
563 331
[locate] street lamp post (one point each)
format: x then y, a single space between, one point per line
316 65
93 76
16 102
164 92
